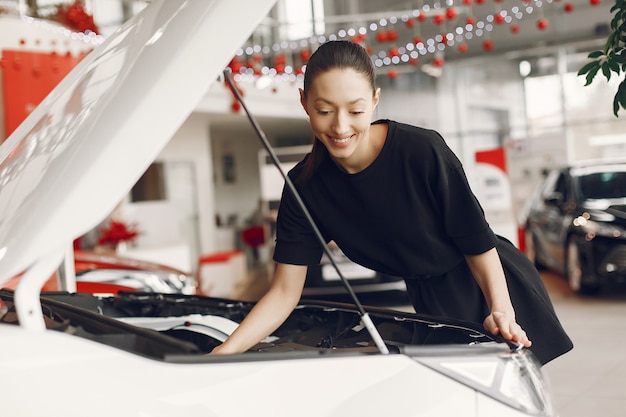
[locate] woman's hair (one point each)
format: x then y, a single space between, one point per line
333 55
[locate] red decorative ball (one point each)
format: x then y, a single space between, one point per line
514 29
568 7
393 52
413 61
235 65
462 48
421 17
470 20
594 2
488 45
439 19
467 2
392 73
451 13
418 39
392 35
438 62
305 54
236 106
499 19
382 36
480 1
410 23
542 24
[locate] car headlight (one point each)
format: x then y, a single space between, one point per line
593 228
514 378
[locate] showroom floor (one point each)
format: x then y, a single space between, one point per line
589 380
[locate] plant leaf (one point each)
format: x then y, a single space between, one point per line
588 67
591 74
606 70
620 98
595 54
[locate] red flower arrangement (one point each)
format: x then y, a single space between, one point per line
117 231
75 17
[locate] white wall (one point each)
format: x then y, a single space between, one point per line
192 144
237 198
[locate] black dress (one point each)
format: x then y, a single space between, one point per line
411 213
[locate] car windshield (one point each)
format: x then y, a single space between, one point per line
601 185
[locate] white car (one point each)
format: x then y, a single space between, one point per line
144 354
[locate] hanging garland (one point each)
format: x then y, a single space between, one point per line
391 50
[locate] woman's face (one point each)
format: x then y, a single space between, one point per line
340 104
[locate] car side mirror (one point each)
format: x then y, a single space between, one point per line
554 199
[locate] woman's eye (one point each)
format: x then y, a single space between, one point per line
323 112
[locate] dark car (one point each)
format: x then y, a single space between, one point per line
576 225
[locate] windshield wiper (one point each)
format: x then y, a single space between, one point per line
365 318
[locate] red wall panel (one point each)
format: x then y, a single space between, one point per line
27 78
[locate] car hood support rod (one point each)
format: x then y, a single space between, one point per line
365 318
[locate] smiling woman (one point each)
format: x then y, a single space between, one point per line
395 199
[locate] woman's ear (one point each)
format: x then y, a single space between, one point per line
303 100
376 98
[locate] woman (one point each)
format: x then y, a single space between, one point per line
395 199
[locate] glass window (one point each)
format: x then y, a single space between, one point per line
603 185
303 18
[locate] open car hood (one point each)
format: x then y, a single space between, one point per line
81 150
194 325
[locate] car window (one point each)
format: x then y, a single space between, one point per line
601 185
550 184
561 186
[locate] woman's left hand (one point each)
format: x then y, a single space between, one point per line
505 324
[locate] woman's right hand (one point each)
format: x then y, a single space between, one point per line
220 350
269 312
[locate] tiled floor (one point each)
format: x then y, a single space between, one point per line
591 379
588 381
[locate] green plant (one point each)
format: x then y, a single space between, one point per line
612 57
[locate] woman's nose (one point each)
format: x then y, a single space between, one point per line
340 123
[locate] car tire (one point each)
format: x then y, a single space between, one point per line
574 269
530 248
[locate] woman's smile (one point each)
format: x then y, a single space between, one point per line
341 141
